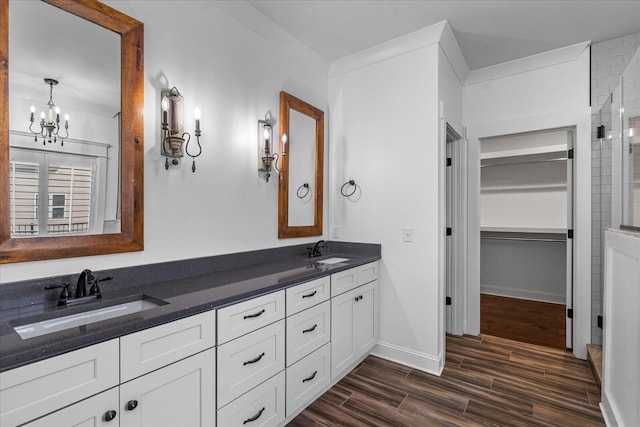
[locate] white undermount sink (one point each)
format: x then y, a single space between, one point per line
44 327
334 260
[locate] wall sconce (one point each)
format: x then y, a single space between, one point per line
173 135
50 122
267 156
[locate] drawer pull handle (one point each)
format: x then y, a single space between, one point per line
131 405
110 415
250 316
311 377
310 295
249 362
311 329
255 417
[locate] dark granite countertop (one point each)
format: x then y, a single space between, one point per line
185 295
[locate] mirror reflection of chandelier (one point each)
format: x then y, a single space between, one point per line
50 122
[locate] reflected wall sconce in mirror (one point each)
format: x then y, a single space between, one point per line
267 156
174 145
50 122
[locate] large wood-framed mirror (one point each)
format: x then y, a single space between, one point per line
129 236
300 192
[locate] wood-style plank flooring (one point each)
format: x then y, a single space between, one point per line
487 381
523 320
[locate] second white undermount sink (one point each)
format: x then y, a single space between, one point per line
44 327
334 260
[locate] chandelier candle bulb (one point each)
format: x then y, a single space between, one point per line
197 113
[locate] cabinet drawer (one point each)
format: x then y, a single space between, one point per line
153 348
249 360
307 331
244 317
261 407
367 273
308 294
37 389
344 281
308 377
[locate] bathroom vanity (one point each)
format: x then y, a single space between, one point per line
253 351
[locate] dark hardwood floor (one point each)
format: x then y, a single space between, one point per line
523 320
487 381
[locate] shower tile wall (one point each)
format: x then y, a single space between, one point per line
608 61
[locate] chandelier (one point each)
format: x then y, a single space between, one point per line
50 122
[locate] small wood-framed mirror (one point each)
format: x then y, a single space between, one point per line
130 236
301 165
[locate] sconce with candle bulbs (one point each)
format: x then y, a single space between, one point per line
267 155
174 145
50 122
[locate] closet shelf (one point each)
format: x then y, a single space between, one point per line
562 186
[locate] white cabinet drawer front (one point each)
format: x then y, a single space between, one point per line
308 294
89 412
367 273
242 318
37 389
181 394
263 406
343 281
307 331
249 360
308 377
153 348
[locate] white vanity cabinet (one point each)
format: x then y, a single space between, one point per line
354 320
181 394
34 390
168 374
100 410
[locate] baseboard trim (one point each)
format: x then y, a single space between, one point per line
523 294
423 362
607 412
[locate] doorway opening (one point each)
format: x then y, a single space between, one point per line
526 237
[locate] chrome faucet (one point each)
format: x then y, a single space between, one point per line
315 251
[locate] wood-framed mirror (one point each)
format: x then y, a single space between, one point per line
300 192
130 236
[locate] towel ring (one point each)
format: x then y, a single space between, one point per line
302 189
345 191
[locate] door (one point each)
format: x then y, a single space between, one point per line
181 394
342 338
456 232
570 202
365 324
100 410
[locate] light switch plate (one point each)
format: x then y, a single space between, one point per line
407 234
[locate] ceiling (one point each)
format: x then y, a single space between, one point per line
488 32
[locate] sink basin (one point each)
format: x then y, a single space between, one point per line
334 260
44 327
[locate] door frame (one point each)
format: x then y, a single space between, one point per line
580 120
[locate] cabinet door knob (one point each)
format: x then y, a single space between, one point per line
132 404
110 415
255 417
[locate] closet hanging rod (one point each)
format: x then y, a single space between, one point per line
524 163
523 239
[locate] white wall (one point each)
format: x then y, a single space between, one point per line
384 106
544 91
232 62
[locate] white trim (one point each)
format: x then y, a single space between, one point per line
529 63
503 291
607 411
580 119
24 140
451 50
421 361
413 41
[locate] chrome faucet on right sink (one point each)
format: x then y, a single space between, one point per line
315 251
